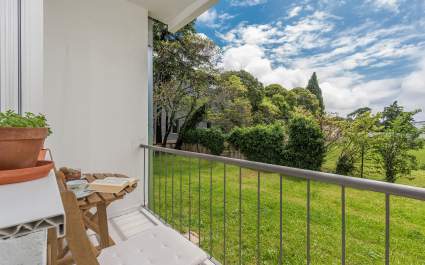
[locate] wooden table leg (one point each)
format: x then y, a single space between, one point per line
103 225
52 246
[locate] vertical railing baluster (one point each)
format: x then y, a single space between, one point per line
211 219
153 181
280 222
165 187
190 194
240 216
161 158
199 202
387 229
308 222
258 219
181 196
144 177
172 188
224 215
343 227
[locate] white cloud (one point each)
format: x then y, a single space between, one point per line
391 5
247 2
212 19
294 12
251 34
344 60
413 90
208 16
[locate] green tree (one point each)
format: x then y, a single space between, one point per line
303 98
314 88
193 119
255 89
229 104
183 69
393 145
306 143
283 105
358 112
391 113
274 89
267 112
357 139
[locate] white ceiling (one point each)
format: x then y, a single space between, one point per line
175 13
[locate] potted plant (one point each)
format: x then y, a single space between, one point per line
21 139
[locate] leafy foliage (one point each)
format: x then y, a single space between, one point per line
183 70
358 136
212 139
391 113
274 89
254 87
29 120
345 164
230 107
262 143
195 117
358 112
303 98
306 144
393 145
314 88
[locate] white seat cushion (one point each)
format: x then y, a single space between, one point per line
157 246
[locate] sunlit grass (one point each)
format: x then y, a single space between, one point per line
365 215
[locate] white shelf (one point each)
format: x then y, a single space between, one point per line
30 206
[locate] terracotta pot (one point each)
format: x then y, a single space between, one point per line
20 147
42 154
41 170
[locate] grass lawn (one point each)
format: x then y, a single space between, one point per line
365 215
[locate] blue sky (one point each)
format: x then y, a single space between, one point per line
366 52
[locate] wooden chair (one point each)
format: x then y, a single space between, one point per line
157 246
83 252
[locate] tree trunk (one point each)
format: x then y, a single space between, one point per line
158 126
169 127
192 120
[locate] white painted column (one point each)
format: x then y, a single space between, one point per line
9 47
32 56
21 55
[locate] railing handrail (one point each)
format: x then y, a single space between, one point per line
345 181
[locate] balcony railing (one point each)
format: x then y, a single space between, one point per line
234 209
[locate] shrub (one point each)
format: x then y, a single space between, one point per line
262 143
212 139
306 143
345 164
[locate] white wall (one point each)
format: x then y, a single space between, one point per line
95 85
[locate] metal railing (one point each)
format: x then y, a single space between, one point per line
343 182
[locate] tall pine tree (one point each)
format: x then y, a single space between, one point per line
314 88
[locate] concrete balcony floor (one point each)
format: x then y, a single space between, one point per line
130 224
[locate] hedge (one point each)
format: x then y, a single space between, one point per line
306 144
262 143
300 145
212 139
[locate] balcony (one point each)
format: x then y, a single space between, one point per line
243 212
